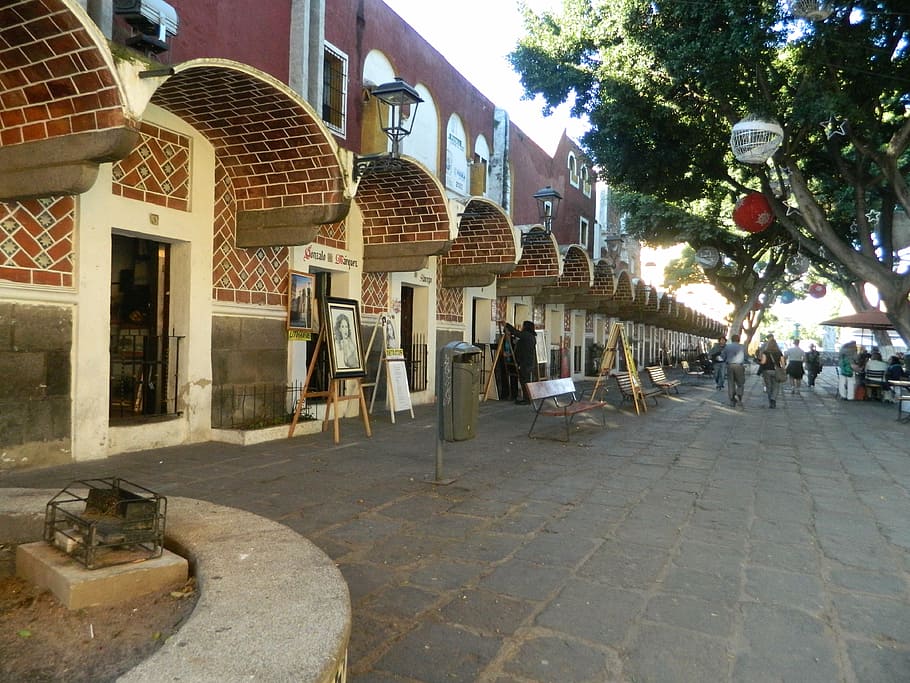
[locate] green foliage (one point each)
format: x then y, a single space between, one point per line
663 82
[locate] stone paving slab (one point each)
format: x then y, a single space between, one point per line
693 543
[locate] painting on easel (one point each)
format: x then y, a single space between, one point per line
342 317
300 302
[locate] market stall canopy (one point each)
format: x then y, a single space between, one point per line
872 319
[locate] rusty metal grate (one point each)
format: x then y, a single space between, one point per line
104 522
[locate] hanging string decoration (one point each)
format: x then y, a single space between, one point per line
787 297
752 213
817 290
811 10
754 139
798 264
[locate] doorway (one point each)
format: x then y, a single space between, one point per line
143 358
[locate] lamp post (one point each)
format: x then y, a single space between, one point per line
547 209
402 101
614 241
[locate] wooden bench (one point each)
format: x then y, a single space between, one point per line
624 382
659 379
557 397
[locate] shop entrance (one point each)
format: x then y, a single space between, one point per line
143 358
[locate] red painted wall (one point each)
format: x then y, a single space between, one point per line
253 32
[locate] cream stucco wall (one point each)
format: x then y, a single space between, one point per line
190 234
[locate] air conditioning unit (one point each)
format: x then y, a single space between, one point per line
154 20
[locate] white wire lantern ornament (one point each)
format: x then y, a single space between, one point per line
707 257
754 140
811 10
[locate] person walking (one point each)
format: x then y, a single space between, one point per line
770 360
813 365
720 369
734 357
795 357
525 349
848 364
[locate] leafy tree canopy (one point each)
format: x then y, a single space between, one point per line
664 81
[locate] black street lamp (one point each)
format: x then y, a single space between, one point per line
547 209
402 101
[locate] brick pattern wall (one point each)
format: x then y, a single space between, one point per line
402 208
274 150
484 236
36 241
374 294
243 276
576 269
539 259
449 304
55 80
157 170
604 282
334 235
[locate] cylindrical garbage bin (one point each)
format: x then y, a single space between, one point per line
458 390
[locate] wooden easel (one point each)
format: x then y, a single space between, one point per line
616 337
513 366
384 361
333 396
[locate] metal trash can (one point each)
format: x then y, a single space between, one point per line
458 390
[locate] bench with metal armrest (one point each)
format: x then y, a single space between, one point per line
557 397
659 379
624 382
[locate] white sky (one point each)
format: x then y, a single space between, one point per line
475 36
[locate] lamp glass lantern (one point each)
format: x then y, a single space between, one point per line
402 100
614 241
548 201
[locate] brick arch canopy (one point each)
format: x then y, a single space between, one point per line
484 248
406 218
63 109
575 280
285 167
538 267
603 284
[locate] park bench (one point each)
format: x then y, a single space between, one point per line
624 382
557 397
659 379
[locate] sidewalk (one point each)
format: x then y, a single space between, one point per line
694 543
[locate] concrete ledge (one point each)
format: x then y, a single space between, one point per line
76 587
272 606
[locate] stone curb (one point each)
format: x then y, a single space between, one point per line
272 606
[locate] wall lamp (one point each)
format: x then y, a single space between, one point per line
547 209
402 100
614 241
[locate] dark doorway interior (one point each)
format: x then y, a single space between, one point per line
140 351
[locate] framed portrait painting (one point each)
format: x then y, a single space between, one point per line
300 302
342 326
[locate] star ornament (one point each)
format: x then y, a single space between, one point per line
832 127
872 216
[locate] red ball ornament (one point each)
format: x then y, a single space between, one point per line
752 213
817 290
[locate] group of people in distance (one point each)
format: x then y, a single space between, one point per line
852 363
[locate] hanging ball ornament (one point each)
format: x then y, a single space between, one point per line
707 257
753 213
811 10
817 290
787 297
755 139
798 264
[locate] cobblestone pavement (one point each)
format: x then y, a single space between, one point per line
696 542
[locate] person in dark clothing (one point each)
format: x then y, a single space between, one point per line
524 343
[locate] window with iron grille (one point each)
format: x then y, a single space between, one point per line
334 89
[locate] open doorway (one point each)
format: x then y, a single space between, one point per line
143 358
